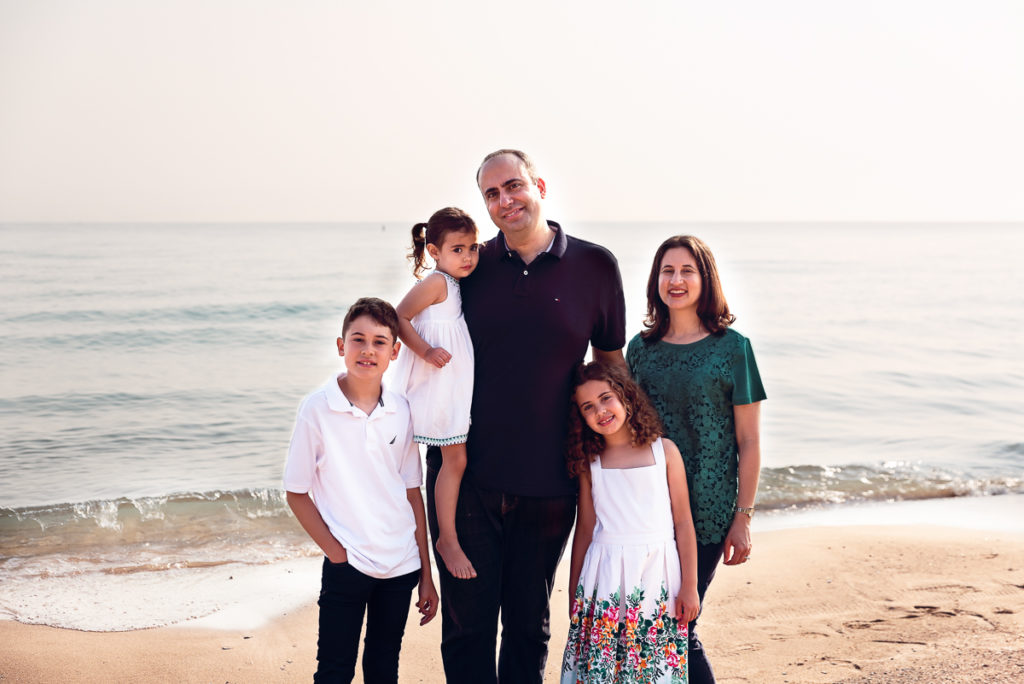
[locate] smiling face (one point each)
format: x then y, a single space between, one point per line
602 410
458 255
367 347
679 281
513 199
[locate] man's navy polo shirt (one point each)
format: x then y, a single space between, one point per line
531 326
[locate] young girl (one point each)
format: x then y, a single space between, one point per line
632 577
702 378
437 378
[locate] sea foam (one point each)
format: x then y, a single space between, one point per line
232 596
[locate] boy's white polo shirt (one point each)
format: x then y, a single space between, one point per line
358 468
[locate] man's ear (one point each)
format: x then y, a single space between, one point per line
542 186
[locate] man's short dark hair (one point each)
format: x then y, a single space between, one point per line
531 170
380 311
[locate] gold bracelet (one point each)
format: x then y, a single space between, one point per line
749 512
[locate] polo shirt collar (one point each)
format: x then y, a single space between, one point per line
337 401
555 249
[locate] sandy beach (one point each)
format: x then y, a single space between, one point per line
824 604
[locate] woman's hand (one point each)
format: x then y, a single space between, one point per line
737 542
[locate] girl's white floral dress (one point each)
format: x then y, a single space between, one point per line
622 627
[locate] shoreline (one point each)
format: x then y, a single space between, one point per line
98 592
988 513
817 604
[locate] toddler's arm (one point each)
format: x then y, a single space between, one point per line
431 290
309 517
688 601
428 601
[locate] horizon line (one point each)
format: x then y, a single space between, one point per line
403 222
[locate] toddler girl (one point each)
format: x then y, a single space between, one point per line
437 378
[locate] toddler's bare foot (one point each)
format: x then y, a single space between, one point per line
454 558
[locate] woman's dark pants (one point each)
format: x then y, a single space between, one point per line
699 667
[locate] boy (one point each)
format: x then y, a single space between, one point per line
353 481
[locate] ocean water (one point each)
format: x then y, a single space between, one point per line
151 374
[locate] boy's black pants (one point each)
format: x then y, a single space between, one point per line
345 595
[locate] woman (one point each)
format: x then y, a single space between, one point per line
703 380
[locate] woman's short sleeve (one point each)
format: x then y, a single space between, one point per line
747 387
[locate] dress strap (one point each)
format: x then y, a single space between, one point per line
454 289
658 447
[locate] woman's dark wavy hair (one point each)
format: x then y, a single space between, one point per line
584 444
442 222
712 309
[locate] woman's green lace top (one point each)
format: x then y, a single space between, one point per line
694 388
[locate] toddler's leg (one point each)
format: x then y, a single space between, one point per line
446 493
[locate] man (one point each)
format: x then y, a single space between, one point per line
535 303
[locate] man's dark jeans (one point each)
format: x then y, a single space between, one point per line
345 595
514 543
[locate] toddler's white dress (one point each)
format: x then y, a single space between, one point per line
623 626
439 398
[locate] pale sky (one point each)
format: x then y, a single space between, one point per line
308 110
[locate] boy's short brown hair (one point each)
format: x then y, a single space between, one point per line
380 311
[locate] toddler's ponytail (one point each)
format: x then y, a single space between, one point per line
419 248
442 222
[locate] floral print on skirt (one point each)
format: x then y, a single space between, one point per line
611 640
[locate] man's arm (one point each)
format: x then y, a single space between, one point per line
608 358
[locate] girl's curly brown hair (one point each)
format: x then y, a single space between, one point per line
584 444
